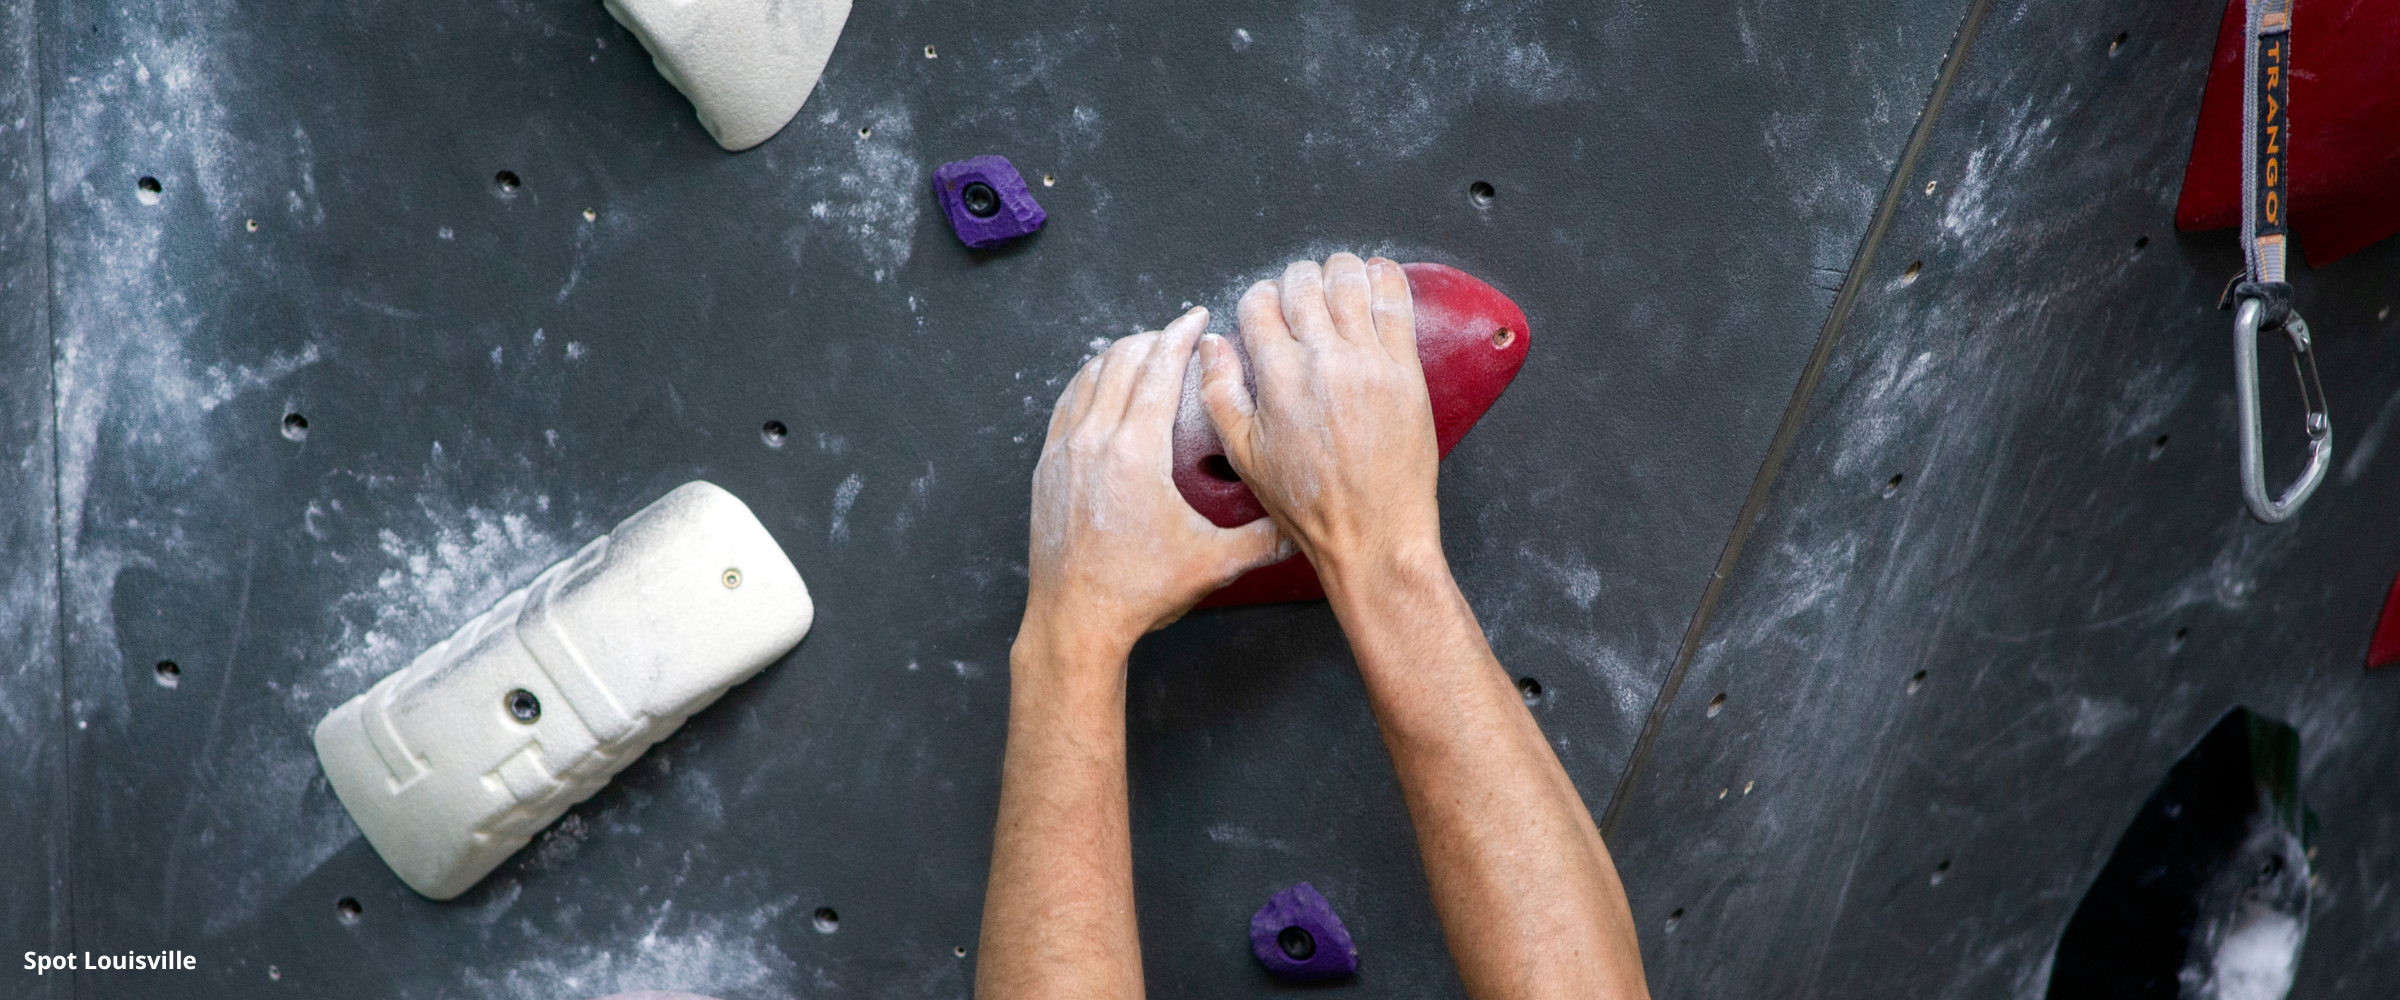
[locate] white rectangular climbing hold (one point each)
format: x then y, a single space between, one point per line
453 762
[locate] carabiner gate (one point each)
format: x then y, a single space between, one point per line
2312 393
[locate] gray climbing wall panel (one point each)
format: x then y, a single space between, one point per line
490 376
33 916
1944 700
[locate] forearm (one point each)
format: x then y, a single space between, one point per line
1528 895
1058 919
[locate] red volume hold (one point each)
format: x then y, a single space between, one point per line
1470 340
2384 649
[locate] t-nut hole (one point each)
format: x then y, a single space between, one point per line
2140 242
1049 180
1482 193
507 182
865 131
825 920
147 190
2117 43
980 200
773 432
1908 275
2158 446
1915 681
1529 689
168 673
347 909
1503 337
960 951
295 427
732 578
1675 918
929 52
1891 487
1297 943
523 706
1219 468
1716 704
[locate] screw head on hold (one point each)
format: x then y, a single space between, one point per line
1296 943
523 706
733 578
980 200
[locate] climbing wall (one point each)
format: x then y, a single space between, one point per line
32 747
351 320
2002 578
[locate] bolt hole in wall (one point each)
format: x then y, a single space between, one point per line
1908 275
523 706
1716 704
1940 871
929 52
1675 918
773 432
2176 643
826 921
2140 242
168 673
507 183
1482 193
2114 44
1892 486
1915 681
2159 446
347 910
295 427
1530 690
959 951
147 190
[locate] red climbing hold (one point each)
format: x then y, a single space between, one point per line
2384 649
2345 158
1470 339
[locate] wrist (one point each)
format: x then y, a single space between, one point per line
1371 580
1054 649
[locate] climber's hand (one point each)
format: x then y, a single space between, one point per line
1338 440
1116 551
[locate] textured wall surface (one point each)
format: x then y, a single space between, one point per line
1944 699
33 915
1699 210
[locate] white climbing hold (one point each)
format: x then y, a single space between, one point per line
452 763
746 65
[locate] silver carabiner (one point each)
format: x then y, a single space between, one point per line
2245 396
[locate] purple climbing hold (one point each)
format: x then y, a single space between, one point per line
1296 936
986 200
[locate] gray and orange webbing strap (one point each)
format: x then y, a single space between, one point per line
2264 298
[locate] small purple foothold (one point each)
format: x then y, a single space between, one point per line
986 200
1296 936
